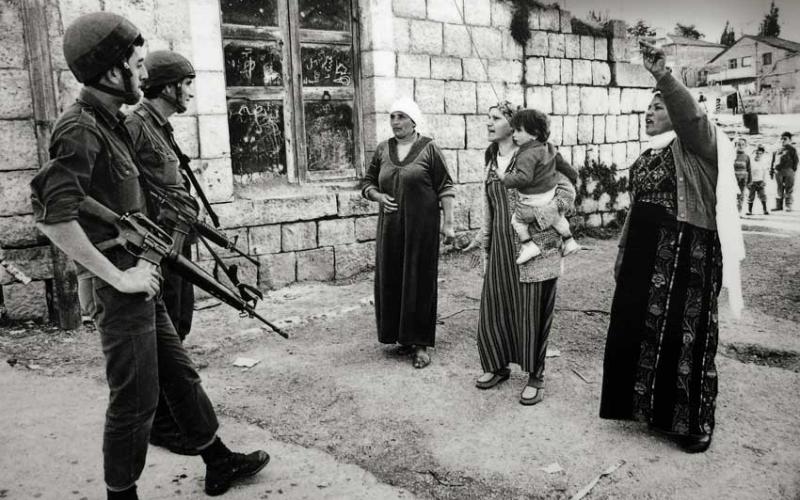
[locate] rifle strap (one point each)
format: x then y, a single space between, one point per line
183 160
218 263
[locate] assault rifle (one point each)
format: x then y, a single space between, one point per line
143 238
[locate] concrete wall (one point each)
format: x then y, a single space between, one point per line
419 48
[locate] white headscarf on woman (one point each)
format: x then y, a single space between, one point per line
409 108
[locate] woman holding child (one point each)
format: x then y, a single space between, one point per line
683 225
517 301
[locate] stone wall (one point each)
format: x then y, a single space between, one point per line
455 67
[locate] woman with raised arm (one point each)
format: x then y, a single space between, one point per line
681 242
409 178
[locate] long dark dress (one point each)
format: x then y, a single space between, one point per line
515 317
407 247
662 338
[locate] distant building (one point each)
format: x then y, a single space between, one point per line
747 62
687 57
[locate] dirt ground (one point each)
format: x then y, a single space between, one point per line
333 391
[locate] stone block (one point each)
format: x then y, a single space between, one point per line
15 192
587 47
399 36
552 71
264 239
611 128
566 71
460 97
534 71
620 49
622 128
606 155
216 178
366 228
501 14
515 93
585 129
470 165
450 158
592 154
589 205
475 70
446 68
380 92
213 132
487 96
573 100
352 203
335 232
448 130
565 21
210 95
488 42
582 71
205 42
12 50
556 130
620 154
16 91
643 99
274 210
560 100
377 23
457 41
599 134
298 236
642 127
572 46
633 128
26 302
555 45
632 153
476 132
578 156
594 220
20 231
426 37
429 95
627 101
414 65
540 98
570 132
478 12
538 44
601 73
533 19
511 49
631 75
376 129
378 63
566 153
446 12
410 8
614 100
594 100
601 48
354 258
277 270
315 265
36 263
461 214
19 151
549 20
505 71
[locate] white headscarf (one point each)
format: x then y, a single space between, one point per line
409 108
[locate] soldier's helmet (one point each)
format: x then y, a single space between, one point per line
165 67
96 42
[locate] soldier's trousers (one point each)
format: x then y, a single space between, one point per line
144 357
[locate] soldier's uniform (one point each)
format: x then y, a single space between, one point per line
91 155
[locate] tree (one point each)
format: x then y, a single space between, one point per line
688 30
728 37
641 29
770 26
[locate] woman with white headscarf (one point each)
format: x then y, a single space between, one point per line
681 243
409 178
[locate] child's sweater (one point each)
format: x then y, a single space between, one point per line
535 169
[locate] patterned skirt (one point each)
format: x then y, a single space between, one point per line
662 338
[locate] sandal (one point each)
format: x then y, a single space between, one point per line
421 358
500 375
529 400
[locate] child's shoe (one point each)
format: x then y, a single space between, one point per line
570 246
528 251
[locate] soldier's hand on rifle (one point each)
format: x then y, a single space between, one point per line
142 278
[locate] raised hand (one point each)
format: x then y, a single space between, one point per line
653 59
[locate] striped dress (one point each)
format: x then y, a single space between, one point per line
515 315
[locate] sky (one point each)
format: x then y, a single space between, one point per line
708 16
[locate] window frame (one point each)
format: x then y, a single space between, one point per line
294 96
733 63
764 57
747 61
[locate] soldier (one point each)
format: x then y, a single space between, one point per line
167 90
91 155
